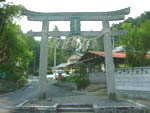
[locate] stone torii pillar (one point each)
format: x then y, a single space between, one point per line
110 69
43 54
43 58
105 17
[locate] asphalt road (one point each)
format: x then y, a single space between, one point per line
32 91
17 97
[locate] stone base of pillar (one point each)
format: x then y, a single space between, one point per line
42 95
112 96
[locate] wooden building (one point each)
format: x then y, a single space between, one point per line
95 60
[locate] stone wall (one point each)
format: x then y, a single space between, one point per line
97 77
133 82
70 85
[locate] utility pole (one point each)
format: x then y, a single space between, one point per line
55 54
55 40
34 62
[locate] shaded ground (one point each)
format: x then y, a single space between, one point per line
82 99
9 101
5 91
95 87
55 91
94 94
60 95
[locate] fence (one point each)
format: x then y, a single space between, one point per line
133 82
9 85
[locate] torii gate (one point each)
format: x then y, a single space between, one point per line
105 17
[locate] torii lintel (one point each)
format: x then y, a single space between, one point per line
84 16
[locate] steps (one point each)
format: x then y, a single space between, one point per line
75 108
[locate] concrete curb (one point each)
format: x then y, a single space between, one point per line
87 93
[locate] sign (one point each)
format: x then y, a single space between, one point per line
3 75
75 25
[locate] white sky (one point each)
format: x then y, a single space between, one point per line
137 7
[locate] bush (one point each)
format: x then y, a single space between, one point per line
63 79
36 73
83 83
68 79
82 78
24 79
49 71
71 79
66 71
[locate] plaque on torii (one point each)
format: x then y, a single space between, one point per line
75 18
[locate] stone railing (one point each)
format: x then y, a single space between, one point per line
133 82
94 109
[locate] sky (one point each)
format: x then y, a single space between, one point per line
137 7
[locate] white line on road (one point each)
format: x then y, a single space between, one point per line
22 103
138 104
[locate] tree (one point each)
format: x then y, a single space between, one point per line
136 43
8 12
60 54
137 39
81 75
14 52
33 46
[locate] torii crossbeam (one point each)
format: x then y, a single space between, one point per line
105 17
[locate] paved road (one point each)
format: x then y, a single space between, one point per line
21 95
32 91
54 91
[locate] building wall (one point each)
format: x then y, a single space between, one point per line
73 58
133 82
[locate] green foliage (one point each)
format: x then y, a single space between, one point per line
8 12
136 41
80 78
66 71
49 71
15 55
82 83
63 79
80 69
33 46
100 45
60 54
36 73
24 79
81 75
69 79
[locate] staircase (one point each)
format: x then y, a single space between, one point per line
75 108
